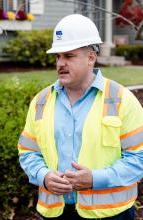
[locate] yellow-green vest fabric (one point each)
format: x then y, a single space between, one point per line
102 137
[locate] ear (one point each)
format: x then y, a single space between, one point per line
92 58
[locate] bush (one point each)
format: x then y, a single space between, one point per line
30 47
130 52
16 194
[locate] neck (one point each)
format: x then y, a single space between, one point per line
77 91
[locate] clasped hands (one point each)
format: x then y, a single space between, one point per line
61 183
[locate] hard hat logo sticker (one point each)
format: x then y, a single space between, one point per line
59 35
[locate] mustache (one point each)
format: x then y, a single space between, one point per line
62 71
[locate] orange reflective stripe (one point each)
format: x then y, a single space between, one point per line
58 204
42 189
107 88
25 148
135 147
26 134
48 95
136 131
106 206
106 191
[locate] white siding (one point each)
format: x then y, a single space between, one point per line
54 10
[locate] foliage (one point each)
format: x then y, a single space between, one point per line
15 191
132 10
30 47
127 75
130 52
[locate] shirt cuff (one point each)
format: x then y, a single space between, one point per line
100 179
41 175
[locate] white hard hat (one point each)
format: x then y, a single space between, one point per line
72 32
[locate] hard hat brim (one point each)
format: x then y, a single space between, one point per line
68 48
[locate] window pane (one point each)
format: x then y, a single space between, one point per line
14 5
10 5
23 5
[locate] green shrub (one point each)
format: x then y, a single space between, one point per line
130 52
15 191
30 47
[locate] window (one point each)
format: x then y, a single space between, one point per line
14 5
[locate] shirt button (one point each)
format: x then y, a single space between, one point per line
69 134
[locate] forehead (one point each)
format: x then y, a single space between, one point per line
76 51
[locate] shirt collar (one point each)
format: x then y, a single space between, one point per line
99 80
98 83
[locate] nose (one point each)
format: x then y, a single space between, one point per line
61 62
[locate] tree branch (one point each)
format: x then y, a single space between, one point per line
104 10
139 35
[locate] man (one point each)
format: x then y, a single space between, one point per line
83 139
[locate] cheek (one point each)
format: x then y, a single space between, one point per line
78 66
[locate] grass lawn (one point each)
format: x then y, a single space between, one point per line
124 75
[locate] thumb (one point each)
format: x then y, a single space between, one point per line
78 166
60 174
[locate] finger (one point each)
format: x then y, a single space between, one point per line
61 180
60 191
78 166
69 174
61 187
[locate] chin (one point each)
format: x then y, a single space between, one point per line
64 82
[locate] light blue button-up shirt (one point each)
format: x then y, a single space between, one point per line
69 122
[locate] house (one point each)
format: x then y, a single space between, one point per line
48 12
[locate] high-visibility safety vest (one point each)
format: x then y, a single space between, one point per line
113 124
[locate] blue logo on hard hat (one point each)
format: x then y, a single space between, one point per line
59 35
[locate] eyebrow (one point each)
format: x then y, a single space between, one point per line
65 54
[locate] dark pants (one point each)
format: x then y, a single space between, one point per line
71 214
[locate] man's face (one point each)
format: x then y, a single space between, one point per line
73 67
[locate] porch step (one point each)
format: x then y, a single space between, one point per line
112 61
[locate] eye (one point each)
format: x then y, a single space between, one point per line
69 55
57 56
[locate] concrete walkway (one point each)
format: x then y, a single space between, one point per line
135 87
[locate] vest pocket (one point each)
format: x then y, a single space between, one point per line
111 131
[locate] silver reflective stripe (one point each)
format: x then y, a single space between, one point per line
42 98
114 89
110 198
49 199
28 143
112 100
132 141
112 106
